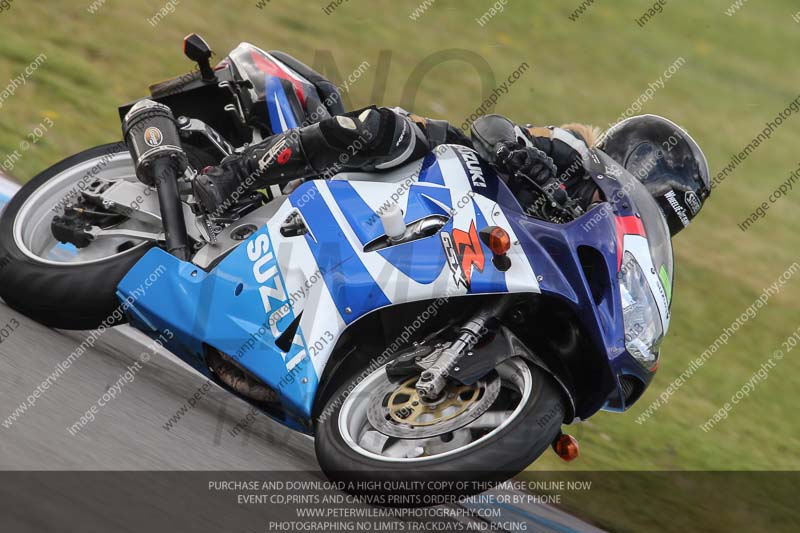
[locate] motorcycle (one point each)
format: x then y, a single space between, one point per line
419 323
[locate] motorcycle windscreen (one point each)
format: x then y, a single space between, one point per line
264 72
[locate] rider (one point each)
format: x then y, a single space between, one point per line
530 159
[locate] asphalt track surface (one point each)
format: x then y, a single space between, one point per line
113 469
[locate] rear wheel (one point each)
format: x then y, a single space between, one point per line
60 285
489 431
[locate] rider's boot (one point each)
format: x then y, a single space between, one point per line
276 160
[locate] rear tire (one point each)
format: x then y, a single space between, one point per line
62 295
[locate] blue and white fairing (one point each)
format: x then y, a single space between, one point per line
324 280
325 277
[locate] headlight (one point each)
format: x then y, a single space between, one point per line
643 330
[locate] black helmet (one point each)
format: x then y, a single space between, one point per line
666 160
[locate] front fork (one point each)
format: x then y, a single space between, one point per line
433 380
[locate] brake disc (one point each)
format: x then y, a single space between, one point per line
398 411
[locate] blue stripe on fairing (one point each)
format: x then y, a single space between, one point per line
348 280
421 260
491 279
424 201
274 90
431 172
365 222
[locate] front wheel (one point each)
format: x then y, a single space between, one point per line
489 431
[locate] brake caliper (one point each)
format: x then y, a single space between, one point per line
72 228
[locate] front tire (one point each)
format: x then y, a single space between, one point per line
347 451
52 283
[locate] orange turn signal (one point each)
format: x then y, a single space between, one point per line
497 239
566 447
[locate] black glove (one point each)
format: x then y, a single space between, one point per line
526 164
512 158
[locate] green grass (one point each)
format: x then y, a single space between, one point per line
740 72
